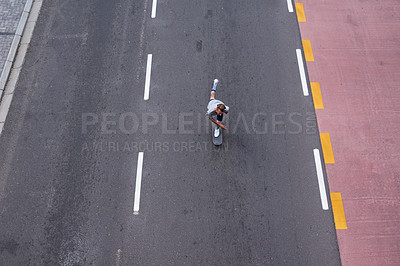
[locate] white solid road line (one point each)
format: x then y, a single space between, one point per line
138 183
302 72
321 182
154 9
290 5
148 75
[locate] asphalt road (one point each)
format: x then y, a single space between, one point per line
69 149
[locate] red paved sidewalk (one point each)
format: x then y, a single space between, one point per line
356 46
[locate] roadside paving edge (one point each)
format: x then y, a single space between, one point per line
14 46
9 75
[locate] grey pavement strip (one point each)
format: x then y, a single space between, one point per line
5 105
10 14
28 6
5 102
13 48
14 15
21 25
5 44
4 76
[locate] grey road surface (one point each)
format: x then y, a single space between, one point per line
69 149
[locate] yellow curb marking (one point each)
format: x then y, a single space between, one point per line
316 94
327 148
308 51
300 12
338 211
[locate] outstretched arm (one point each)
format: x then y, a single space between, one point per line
218 123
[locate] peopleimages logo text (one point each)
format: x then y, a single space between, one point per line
197 123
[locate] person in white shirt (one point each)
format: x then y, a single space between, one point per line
216 109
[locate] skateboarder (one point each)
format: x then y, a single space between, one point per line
216 108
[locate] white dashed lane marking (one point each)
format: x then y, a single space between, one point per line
154 9
321 182
290 5
138 183
302 72
148 76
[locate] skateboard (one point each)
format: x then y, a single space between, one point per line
216 140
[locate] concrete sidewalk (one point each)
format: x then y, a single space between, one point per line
13 16
356 48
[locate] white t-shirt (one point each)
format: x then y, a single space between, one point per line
212 104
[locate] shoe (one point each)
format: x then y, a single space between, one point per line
216 81
216 132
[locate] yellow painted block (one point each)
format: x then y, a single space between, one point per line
317 97
338 211
327 148
308 50
300 12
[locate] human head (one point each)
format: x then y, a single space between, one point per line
220 109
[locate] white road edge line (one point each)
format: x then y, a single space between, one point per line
154 9
302 72
290 5
321 182
138 183
148 75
